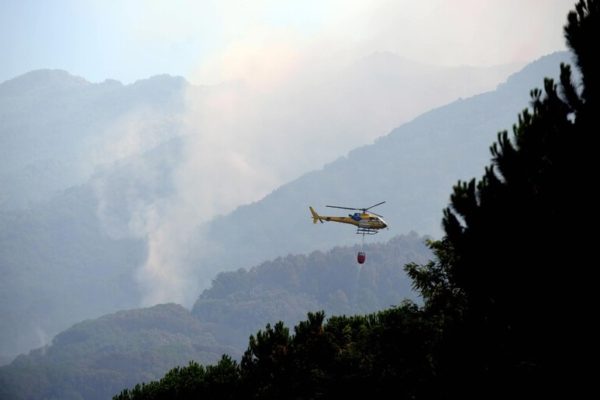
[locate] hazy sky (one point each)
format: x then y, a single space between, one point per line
134 39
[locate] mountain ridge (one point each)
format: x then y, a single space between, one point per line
277 225
439 147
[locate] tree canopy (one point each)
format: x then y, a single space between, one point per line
510 279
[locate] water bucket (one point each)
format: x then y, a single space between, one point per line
361 257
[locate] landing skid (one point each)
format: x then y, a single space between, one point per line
365 231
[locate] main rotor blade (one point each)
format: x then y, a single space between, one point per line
378 204
344 208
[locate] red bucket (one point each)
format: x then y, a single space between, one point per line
361 257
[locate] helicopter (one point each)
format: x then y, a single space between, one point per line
367 223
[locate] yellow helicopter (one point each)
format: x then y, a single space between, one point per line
367 223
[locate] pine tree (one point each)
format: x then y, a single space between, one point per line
510 277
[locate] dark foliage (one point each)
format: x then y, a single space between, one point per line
348 357
511 264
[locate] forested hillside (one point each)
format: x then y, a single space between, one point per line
506 302
286 288
96 358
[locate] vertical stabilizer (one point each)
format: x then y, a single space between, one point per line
316 217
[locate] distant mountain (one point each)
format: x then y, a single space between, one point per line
413 169
393 79
65 160
55 128
98 358
79 160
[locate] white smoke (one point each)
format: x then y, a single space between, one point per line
43 339
286 110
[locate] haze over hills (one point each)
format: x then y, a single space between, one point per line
62 262
55 128
86 181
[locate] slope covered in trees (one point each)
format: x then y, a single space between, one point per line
346 357
95 359
286 288
506 300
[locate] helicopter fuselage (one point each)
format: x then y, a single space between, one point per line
366 222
